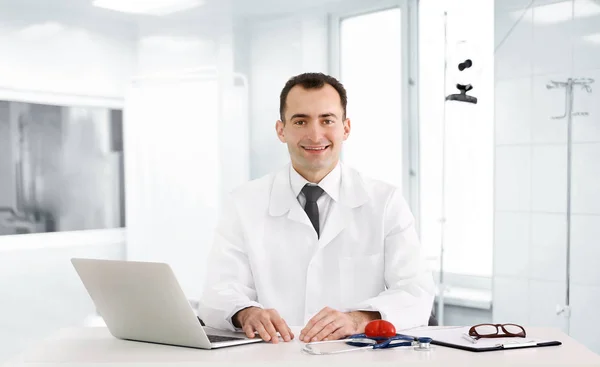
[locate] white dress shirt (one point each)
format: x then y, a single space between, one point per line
331 191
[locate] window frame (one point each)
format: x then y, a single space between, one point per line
410 115
409 74
91 237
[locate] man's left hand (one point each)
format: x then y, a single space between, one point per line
330 324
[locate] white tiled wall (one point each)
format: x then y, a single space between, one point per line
554 59
548 104
548 262
511 252
513 120
544 297
587 128
549 179
513 178
531 165
548 230
585 317
511 300
586 178
586 52
514 57
585 249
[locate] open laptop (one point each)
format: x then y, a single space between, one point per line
143 301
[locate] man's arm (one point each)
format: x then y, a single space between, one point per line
408 299
229 285
229 299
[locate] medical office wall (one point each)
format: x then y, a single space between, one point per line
547 132
61 168
61 64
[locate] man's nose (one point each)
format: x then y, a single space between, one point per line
315 132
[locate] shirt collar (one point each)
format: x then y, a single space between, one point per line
330 183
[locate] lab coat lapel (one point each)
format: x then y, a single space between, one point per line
283 201
338 219
352 195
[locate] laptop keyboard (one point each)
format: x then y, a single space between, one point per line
218 338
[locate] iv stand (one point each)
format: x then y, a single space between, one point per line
442 288
442 220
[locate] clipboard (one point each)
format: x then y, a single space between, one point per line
453 337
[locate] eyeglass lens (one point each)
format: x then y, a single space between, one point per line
488 329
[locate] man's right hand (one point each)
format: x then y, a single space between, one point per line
266 322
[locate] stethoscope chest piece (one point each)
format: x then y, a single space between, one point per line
423 344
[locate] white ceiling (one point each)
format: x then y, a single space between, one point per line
211 8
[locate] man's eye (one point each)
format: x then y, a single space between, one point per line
329 122
300 122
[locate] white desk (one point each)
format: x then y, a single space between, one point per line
94 346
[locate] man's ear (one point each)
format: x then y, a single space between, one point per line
279 125
347 128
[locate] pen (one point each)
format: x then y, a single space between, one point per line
469 338
518 345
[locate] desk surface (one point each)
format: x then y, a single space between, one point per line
95 345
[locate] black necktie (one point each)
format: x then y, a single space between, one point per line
312 193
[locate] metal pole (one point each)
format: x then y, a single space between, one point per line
569 169
442 290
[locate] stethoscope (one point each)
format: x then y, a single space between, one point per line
364 342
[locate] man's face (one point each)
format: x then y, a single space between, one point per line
314 128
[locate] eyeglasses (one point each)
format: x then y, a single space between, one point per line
493 331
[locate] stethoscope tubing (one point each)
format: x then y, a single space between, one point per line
369 343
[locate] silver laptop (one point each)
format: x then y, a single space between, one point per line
143 301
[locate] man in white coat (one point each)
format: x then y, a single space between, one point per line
317 243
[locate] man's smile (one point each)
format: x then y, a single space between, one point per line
316 149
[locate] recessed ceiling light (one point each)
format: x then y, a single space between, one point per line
150 7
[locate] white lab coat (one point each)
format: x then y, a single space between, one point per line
267 254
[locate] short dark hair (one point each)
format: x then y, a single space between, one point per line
311 81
